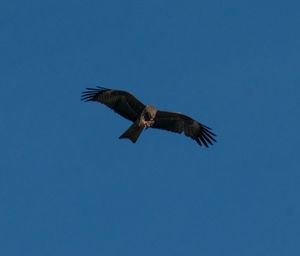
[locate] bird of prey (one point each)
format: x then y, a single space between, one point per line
146 116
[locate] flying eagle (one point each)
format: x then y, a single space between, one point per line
146 116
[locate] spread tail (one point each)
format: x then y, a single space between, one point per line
132 133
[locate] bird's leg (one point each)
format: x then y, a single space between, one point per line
148 124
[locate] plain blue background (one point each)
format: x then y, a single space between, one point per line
69 186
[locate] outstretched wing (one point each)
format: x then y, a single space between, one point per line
176 122
123 103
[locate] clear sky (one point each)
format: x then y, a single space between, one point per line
69 186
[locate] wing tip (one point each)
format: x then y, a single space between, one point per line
206 137
91 94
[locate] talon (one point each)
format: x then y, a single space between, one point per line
148 124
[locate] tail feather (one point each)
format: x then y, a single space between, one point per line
132 133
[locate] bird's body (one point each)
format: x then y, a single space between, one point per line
146 116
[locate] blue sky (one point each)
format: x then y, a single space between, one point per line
69 186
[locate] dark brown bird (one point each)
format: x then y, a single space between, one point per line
146 116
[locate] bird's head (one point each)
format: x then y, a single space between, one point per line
149 113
